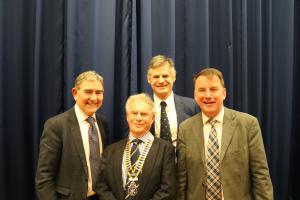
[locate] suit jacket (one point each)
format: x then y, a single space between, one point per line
244 169
62 171
185 108
157 180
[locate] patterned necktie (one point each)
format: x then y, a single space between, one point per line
94 149
134 155
165 132
213 189
134 152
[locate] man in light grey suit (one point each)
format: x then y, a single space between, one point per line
240 166
161 76
64 166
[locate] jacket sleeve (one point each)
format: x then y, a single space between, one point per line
49 156
181 167
261 182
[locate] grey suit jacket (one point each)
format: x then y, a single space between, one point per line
157 180
244 169
185 108
62 171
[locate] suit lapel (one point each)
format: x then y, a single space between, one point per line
228 131
197 130
102 132
76 136
179 106
118 168
148 165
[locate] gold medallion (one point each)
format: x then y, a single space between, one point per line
132 189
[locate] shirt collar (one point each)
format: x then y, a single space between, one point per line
144 138
81 116
169 100
218 118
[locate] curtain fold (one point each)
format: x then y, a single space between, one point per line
44 45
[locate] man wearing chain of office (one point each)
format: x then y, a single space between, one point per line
141 166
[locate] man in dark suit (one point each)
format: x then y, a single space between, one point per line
221 153
161 76
68 166
141 166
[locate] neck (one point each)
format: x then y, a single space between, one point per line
137 135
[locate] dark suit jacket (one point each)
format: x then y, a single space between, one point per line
244 169
157 180
185 108
62 171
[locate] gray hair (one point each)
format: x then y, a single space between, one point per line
158 61
88 76
142 96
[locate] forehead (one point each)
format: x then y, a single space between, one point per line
164 68
91 84
212 80
139 106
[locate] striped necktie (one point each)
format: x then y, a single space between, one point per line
135 153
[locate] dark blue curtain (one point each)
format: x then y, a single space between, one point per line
45 44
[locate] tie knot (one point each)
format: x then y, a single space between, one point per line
212 122
163 104
136 141
90 120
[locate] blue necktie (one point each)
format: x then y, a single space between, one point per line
165 132
94 150
135 153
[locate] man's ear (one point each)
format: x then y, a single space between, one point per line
74 93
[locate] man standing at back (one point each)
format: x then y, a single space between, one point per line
171 109
71 145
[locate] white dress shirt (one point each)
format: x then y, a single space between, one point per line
219 128
172 116
84 128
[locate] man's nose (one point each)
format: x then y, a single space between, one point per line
93 96
161 79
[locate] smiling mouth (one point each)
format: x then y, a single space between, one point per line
209 103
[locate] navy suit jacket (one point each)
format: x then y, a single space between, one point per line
62 171
157 180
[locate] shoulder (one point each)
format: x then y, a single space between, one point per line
101 117
61 118
163 144
183 99
238 114
116 145
197 118
186 104
239 117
